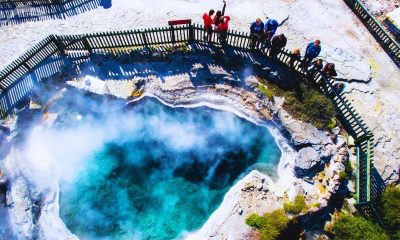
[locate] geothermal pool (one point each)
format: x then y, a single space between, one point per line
162 171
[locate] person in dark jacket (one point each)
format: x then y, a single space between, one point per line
316 65
223 29
208 22
277 43
312 51
218 15
256 32
329 70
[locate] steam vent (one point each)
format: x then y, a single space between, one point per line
199 120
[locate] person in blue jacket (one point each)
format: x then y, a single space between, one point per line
312 51
271 26
256 32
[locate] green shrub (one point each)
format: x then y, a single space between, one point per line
349 227
266 91
304 103
343 175
297 206
313 107
270 225
390 206
254 220
320 109
332 124
397 235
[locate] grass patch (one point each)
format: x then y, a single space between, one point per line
347 173
267 92
346 226
390 206
303 103
316 205
297 206
270 225
343 175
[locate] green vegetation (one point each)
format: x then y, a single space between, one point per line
271 225
347 173
178 48
297 206
268 92
347 226
317 205
343 175
314 107
390 206
332 124
350 227
306 104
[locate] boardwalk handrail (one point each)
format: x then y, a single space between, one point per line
15 82
381 35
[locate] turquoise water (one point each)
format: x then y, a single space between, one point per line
166 175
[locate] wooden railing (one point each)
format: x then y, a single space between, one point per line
17 80
381 35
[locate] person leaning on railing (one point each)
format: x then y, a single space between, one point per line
208 25
316 66
295 55
339 87
312 51
223 29
329 70
256 33
270 28
218 15
277 43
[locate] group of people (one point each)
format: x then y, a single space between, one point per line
263 34
219 23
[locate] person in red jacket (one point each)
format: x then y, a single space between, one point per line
208 25
219 14
223 29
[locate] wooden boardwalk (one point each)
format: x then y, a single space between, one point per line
381 35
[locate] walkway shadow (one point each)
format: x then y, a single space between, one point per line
31 11
201 66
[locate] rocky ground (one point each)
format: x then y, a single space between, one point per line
373 79
379 8
310 164
304 157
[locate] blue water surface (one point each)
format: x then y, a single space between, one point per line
166 176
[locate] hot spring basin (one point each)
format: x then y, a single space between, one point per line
165 175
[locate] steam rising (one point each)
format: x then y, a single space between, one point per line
146 171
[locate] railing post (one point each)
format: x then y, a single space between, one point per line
368 170
87 44
172 30
358 174
59 45
146 44
8 101
191 33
